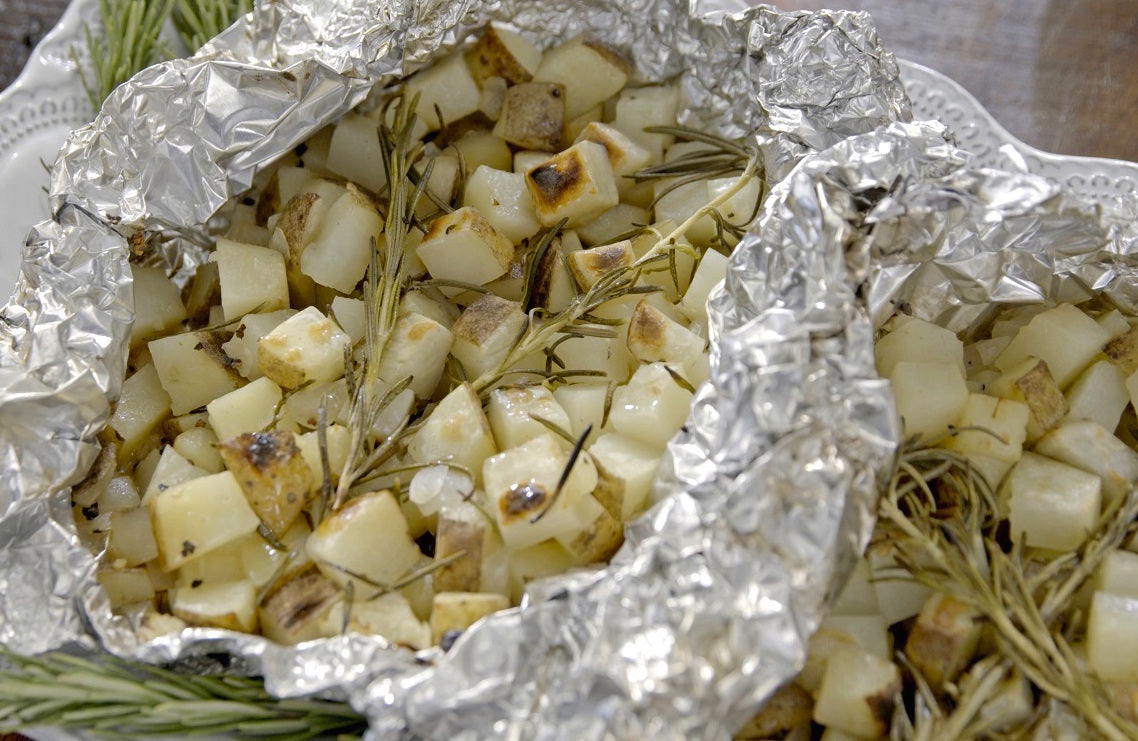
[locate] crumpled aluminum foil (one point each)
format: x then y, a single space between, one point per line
765 500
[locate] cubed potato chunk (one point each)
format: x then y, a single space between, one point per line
457 430
131 539
485 332
654 337
640 108
547 558
858 693
193 369
787 710
158 305
625 155
513 412
917 341
943 639
143 403
1123 351
626 468
306 347
1118 574
248 409
589 71
125 586
462 529
388 615
1088 447
198 516
339 253
1112 651
457 611
521 484
613 225
296 608
273 474
242 347
230 605
898 596
354 153
1051 505
172 469
1001 426
651 407
868 631
711 271
339 443
930 397
1064 337
418 347
1099 394
252 278
584 404
500 52
576 184
1031 382
501 197
464 246
589 266
343 544
532 116
446 87
198 445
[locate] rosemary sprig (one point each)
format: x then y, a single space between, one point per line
114 699
198 21
943 519
129 43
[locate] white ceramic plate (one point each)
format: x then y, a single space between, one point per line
47 101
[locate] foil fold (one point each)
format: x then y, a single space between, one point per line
763 502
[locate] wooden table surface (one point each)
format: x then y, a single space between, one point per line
1058 74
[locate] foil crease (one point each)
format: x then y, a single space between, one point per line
764 501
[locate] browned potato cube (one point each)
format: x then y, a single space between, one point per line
532 116
1123 351
786 710
294 609
502 53
272 474
943 639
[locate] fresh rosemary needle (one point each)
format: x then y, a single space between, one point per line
198 21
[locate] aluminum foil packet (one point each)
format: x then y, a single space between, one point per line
761 506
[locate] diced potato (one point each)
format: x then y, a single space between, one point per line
789 708
485 332
500 52
273 475
198 516
943 639
248 409
294 610
711 271
427 304
521 483
354 153
584 403
738 209
157 304
1010 705
589 71
1118 574
339 442
131 540
1001 425
350 314
306 347
599 539
193 369
339 253
898 596
678 204
389 615
858 693
868 631
532 115
1088 447
434 487
464 246
653 337
172 469
230 605
252 278
547 558
1113 322
1051 505
1099 394
143 403
125 587
640 108
482 149
198 445
625 155
589 266
205 291
553 286
651 407
1031 382
462 528
446 85
418 347
620 220
218 566
145 468
576 184
626 468
1123 351
501 197
608 356
457 430
917 341
242 347
512 411
858 596
930 397
457 611
343 544
1112 652
1064 337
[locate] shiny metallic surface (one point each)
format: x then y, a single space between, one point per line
762 505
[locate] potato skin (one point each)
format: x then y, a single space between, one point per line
272 473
